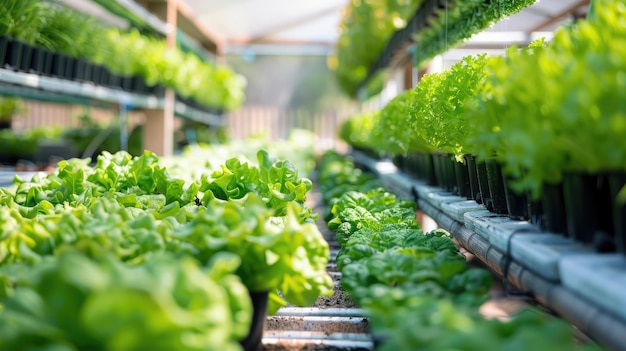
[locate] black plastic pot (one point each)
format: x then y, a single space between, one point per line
27 54
83 70
105 77
157 90
496 187
70 68
127 83
447 163
47 62
41 61
410 164
115 81
13 56
588 209
438 170
617 182
516 203
58 65
553 205
253 340
473 176
461 173
484 196
96 74
399 161
4 42
535 211
426 166
138 85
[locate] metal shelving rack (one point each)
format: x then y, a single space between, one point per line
159 109
32 86
586 288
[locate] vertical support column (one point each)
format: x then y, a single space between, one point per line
159 128
158 132
409 75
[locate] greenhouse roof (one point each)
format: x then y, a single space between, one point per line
306 24
290 26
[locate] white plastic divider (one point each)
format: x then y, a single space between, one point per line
586 288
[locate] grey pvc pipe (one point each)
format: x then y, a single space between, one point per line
601 326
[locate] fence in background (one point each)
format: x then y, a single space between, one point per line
277 122
47 114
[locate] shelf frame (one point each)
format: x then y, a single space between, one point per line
50 89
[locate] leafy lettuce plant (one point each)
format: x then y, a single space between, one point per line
448 127
458 21
420 294
23 19
364 30
277 253
275 181
124 52
360 131
72 302
139 182
575 122
396 138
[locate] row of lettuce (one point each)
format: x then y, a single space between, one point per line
540 111
367 27
126 255
123 52
416 288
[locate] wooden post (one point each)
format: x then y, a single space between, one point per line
159 128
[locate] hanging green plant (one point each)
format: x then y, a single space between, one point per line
458 21
365 28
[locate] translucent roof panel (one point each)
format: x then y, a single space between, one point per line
236 24
272 21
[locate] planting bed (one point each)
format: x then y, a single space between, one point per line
574 281
337 323
331 323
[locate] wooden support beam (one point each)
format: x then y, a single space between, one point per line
559 16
